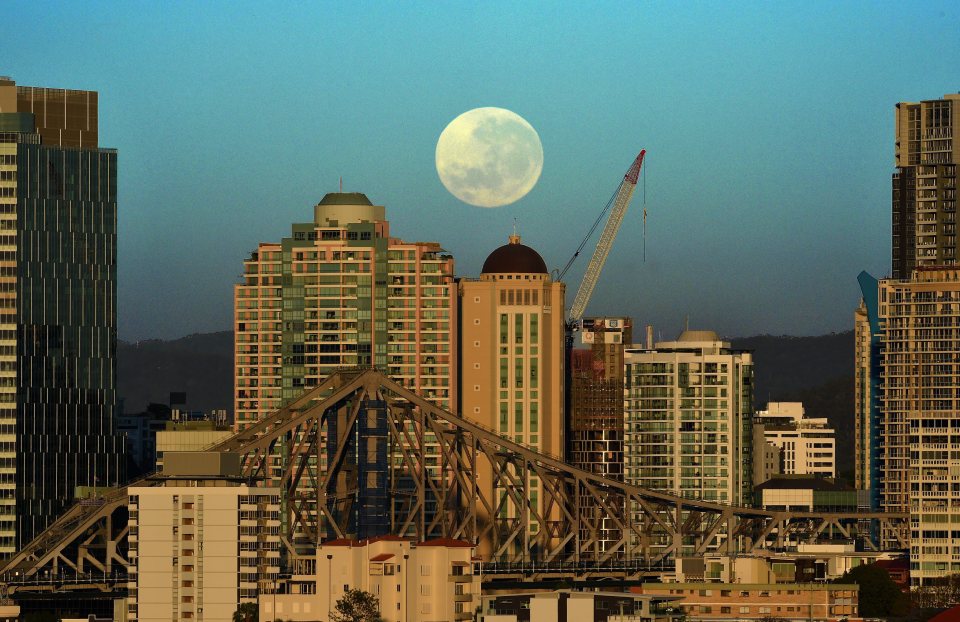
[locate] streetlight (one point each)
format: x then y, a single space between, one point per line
403 595
329 587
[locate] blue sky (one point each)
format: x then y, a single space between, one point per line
768 128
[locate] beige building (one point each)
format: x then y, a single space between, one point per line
189 436
430 581
202 542
585 606
925 184
511 352
808 602
802 445
916 343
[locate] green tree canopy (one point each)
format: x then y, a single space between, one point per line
357 606
247 612
879 597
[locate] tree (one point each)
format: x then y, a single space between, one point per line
879 596
357 606
247 612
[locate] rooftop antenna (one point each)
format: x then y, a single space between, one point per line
514 226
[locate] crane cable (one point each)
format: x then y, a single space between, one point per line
590 233
644 173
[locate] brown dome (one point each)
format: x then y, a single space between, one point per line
514 258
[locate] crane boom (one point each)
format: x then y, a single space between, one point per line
620 204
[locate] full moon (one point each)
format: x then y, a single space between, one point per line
489 157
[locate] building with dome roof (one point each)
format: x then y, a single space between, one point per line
512 353
340 291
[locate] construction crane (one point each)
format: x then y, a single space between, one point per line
619 201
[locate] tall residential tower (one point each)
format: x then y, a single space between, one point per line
58 258
341 292
925 184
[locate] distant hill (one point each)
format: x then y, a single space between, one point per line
201 365
815 370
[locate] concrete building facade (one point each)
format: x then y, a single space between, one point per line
341 292
58 331
803 445
807 602
916 323
925 184
201 544
431 581
511 350
688 417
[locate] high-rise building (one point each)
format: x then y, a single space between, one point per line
511 351
341 292
803 445
925 184
915 459
201 543
595 422
688 409
58 235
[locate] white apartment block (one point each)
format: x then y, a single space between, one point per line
200 544
431 581
804 445
687 417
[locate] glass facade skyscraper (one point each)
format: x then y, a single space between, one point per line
58 232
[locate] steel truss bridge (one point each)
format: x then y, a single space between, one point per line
446 476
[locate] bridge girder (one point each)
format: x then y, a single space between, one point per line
447 477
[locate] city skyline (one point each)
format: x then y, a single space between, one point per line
768 131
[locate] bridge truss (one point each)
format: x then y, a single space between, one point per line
361 449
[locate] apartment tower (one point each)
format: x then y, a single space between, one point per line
916 461
511 352
58 258
925 185
340 292
688 407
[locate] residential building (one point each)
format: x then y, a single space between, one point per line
688 417
202 542
925 184
595 424
511 351
593 606
58 245
915 339
431 581
797 602
340 292
803 445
